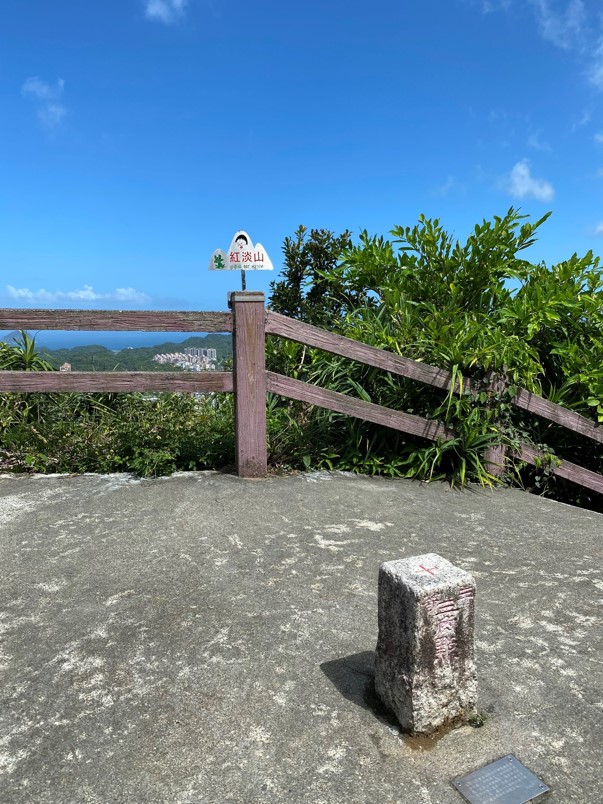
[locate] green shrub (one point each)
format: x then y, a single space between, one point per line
479 310
115 433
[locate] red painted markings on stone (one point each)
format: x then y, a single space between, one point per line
427 569
446 613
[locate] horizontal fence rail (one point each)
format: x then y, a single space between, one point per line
116 320
115 381
570 471
249 379
555 413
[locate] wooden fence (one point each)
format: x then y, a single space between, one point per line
250 322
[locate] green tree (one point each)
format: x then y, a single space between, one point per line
306 291
473 308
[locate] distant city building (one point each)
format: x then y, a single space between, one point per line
192 359
194 351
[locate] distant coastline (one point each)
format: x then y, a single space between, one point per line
90 353
114 341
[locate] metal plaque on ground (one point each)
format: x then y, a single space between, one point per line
505 781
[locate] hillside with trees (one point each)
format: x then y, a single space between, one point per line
99 358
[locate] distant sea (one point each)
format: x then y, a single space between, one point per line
110 340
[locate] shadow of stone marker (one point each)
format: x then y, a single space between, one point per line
424 664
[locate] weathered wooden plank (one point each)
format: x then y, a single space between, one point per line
249 373
570 471
301 332
115 381
555 413
341 403
117 320
495 456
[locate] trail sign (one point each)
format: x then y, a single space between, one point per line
242 255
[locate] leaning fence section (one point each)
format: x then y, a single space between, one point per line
249 323
430 375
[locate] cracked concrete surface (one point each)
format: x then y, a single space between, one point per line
202 638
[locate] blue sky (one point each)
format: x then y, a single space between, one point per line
138 135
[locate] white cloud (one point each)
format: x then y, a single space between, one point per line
598 138
51 110
489 6
572 25
52 114
538 144
521 183
583 121
446 187
166 11
599 229
596 70
84 295
43 91
572 29
562 28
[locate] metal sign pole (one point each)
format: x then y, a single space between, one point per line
243 280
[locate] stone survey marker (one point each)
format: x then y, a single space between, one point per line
424 666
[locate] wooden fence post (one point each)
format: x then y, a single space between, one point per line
249 381
495 458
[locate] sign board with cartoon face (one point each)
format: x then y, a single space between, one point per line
242 255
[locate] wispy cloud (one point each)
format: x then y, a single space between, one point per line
538 144
521 184
561 27
596 70
598 137
488 6
599 229
446 187
84 295
48 98
583 121
166 11
575 26
573 29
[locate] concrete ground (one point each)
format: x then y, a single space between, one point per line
203 638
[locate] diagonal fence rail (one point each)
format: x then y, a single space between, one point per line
249 381
301 332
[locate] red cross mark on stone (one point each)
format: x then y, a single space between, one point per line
430 570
